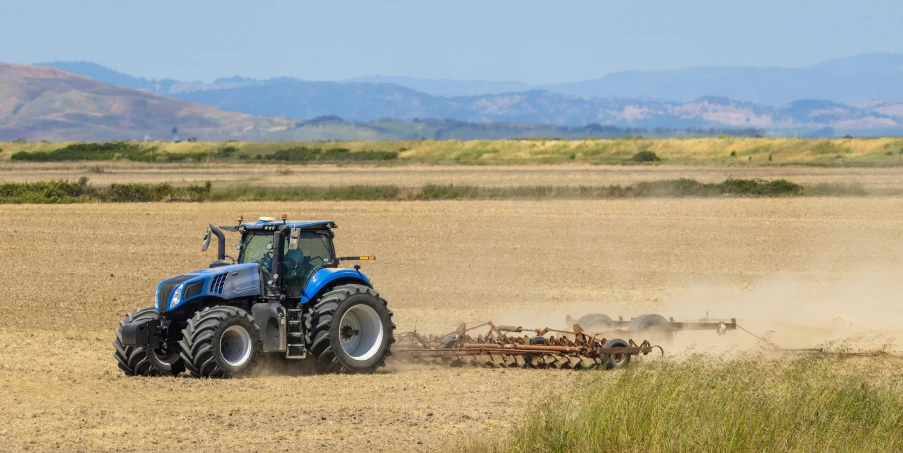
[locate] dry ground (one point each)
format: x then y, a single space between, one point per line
877 180
70 272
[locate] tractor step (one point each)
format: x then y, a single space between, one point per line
295 347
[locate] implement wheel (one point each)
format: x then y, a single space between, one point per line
594 322
220 342
146 361
652 327
350 330
611 361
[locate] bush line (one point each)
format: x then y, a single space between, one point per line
81 191
112 151
62 192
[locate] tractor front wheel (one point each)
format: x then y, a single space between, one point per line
220 342
135 361
350 330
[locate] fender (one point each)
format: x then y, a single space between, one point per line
324 276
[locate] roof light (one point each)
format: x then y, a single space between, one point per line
267 219
284 217
241 218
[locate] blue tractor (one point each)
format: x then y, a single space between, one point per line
284 294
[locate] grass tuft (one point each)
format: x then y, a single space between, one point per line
750 404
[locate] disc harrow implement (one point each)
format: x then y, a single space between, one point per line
503 346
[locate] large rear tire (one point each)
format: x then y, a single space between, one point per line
220 342
135 361
349 330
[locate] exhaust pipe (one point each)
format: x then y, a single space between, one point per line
220 242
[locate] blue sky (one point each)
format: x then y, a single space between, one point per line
532 41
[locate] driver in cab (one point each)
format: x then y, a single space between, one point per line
294 263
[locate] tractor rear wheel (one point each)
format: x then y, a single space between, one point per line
135 361
349 329
220 342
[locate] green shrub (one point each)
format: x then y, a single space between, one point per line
645 156
305 154
297 154
226 151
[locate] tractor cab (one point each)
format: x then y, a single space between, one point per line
291 255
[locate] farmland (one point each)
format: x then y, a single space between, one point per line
70 272
802 260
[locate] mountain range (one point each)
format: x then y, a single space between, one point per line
865 77
86 101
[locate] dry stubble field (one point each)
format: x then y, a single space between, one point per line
70 272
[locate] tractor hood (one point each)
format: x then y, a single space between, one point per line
225 282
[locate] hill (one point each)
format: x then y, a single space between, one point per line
50 104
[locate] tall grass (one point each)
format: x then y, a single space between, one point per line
751 404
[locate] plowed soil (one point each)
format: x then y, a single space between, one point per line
69 273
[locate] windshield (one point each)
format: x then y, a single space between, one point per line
255 249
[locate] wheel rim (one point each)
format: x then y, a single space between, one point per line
361 332
618 360
235 346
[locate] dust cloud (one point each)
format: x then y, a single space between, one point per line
861 311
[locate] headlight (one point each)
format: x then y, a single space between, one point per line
176 297
157 299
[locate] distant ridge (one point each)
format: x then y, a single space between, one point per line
48 103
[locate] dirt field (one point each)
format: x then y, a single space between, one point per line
878 180
70 272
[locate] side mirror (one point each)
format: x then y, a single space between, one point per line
206 242
238 246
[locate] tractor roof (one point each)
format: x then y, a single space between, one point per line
299 224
